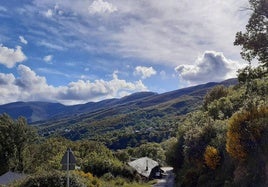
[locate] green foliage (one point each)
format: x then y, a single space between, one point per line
122 155
46 155
196 131
174 154
230 130
151 150
225 101
215 93
151 119
254 41
256 93
93 157
57 179
15 136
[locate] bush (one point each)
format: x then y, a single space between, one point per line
212 157
245 132
55 179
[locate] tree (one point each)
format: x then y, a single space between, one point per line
215 93
246 131
45 156
212 157
254 41
151 150
15 136
6 150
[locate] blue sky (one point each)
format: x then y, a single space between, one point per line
88 50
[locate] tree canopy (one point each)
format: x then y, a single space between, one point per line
254 41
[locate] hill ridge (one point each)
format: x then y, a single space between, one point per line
36 111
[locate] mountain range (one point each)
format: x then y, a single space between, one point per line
118 123
36 111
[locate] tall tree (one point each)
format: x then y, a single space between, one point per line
15 135
254 41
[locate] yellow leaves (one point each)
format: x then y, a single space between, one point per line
88 176
234 147
245 131
212 157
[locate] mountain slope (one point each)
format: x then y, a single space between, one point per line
119 123
43 111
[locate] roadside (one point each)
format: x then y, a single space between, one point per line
168 178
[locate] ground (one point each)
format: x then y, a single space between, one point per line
168 178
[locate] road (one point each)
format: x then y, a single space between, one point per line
167 180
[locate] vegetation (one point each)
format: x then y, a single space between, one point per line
225 143
15 136
254 41
23 151
131 121
212 157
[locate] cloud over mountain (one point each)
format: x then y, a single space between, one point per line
84 42
210 66
31 87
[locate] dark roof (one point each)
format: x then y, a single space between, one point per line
143 165
10 177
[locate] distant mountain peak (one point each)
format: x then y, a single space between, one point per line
41 111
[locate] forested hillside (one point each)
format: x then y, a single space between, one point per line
132 120
213 136
118 123
226 142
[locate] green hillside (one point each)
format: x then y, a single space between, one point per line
132 120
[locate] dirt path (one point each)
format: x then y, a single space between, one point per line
168 178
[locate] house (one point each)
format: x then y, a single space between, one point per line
10 177
146 167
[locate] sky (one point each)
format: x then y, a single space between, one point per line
74 52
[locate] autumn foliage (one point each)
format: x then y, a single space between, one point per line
245 132
212 157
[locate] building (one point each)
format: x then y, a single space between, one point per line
146 167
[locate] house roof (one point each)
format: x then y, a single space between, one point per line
10 177
141 164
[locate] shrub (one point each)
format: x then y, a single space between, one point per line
56 179
212 157
245 132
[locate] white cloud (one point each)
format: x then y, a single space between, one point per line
144 72
22 40
162 32
211 66
174 32
51 45
49 13
100 6
48 58
9 57
31 87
